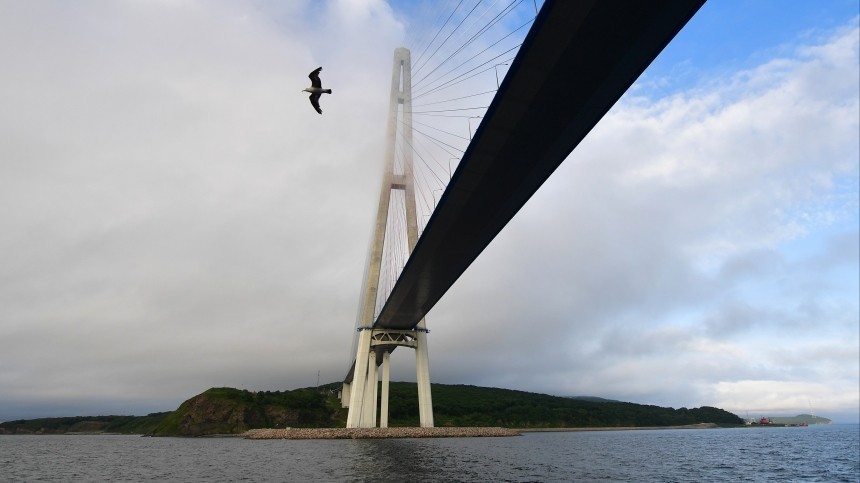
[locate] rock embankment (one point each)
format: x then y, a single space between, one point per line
376 433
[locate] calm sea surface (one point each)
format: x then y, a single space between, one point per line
817 453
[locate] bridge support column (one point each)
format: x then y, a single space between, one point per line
422 368
359 382
375 379
345 394
386 374
368 412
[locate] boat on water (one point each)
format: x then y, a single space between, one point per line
764 421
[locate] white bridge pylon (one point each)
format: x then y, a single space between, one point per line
375 344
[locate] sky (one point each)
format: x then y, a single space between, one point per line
174 216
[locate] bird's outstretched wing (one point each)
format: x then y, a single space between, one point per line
315 101
315 77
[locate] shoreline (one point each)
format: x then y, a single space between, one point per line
440 432
618 428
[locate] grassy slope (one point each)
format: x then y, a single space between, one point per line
226 410
457 405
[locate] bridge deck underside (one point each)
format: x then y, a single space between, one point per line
576 62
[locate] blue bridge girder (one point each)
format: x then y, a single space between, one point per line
577 60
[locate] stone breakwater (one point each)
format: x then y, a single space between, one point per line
376 433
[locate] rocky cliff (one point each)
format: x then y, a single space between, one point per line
233 411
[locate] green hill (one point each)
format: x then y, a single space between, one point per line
85 424
233 411
226 410
594 399
458 405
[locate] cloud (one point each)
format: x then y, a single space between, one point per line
767 396
175 215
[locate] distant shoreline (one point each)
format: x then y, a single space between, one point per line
438 432
618 428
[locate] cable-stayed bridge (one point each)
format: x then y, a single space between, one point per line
577 60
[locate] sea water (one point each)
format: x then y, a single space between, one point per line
815 453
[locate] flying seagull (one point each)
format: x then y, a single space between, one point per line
316 89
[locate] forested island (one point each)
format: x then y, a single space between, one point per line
233 411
